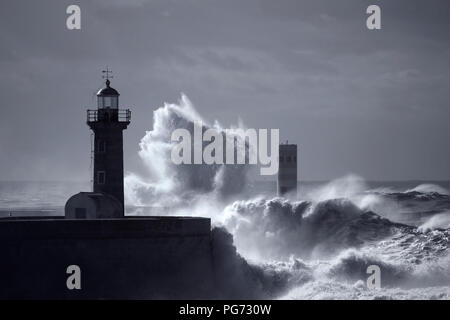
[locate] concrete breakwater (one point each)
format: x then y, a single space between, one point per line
129 258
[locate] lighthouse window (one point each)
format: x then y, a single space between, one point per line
107 102
100 102
114 102
101 177
288 158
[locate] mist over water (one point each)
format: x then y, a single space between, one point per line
314 245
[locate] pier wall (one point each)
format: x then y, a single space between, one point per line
129 258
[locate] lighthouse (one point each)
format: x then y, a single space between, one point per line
287 172
107 123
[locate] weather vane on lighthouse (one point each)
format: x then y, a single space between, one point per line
107 74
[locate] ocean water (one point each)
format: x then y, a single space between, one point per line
325 239
313 244
37 197
319 241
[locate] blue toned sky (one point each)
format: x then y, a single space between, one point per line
374 103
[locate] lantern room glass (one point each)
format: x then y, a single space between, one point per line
108 102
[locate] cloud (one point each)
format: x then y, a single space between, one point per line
310 68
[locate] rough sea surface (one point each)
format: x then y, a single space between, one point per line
315 244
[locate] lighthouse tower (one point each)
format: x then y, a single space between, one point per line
107 123
287 171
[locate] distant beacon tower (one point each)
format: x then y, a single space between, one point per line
287 170
108 123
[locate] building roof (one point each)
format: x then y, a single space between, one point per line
108 91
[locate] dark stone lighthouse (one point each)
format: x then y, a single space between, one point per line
107 122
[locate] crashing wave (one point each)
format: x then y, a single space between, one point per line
331 290
423 192
429 188
318 247
277 228
167 184
438 221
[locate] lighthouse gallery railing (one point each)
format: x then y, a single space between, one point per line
119 115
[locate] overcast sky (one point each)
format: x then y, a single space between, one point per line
373 103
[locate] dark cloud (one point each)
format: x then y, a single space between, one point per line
369 102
